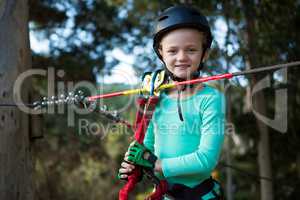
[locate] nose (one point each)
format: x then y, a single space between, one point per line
182 56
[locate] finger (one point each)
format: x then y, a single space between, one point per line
127 165
127 154
124 176
126 159
132 143
125 170
124 164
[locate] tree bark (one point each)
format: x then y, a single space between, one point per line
15 155
258 103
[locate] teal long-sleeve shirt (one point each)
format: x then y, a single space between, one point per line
189 149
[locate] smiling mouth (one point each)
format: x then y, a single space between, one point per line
182 66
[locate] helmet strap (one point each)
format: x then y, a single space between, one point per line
201 65
179 109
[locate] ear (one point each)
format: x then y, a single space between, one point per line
160 50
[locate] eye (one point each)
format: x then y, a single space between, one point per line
191 49
171 51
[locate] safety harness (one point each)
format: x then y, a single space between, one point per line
146 106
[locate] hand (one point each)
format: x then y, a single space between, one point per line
138 154
125 170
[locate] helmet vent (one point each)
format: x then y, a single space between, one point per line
163 18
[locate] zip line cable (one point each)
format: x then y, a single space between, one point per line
172 85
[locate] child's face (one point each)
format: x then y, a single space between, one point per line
181 51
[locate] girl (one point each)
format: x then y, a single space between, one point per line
185 136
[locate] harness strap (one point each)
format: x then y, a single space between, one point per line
159 191
142 121
147 115
208 189
141 102
146 107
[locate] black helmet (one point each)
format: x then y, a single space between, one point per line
180 17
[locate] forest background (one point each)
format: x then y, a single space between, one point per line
107 45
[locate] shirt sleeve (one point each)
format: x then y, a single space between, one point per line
149 137
205 158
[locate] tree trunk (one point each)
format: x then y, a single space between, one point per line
264 158
258 103
15 156
228 144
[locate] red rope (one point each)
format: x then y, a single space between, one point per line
133 179
143 117
141 102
